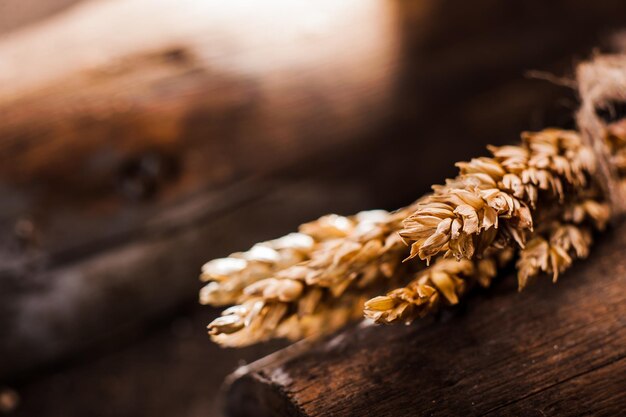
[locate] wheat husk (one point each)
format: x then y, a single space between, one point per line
537 201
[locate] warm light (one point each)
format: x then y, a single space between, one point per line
334 37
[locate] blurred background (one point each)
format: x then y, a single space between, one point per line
141 138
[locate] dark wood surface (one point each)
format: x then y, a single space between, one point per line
553 350
169 368
99 251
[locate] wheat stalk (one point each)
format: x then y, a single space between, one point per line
494 197
551 249
536 199
349 258
443 283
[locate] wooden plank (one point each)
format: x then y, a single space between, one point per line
598 392
559 349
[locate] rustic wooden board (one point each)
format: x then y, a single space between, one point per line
553 350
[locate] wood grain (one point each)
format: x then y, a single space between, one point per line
552 350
